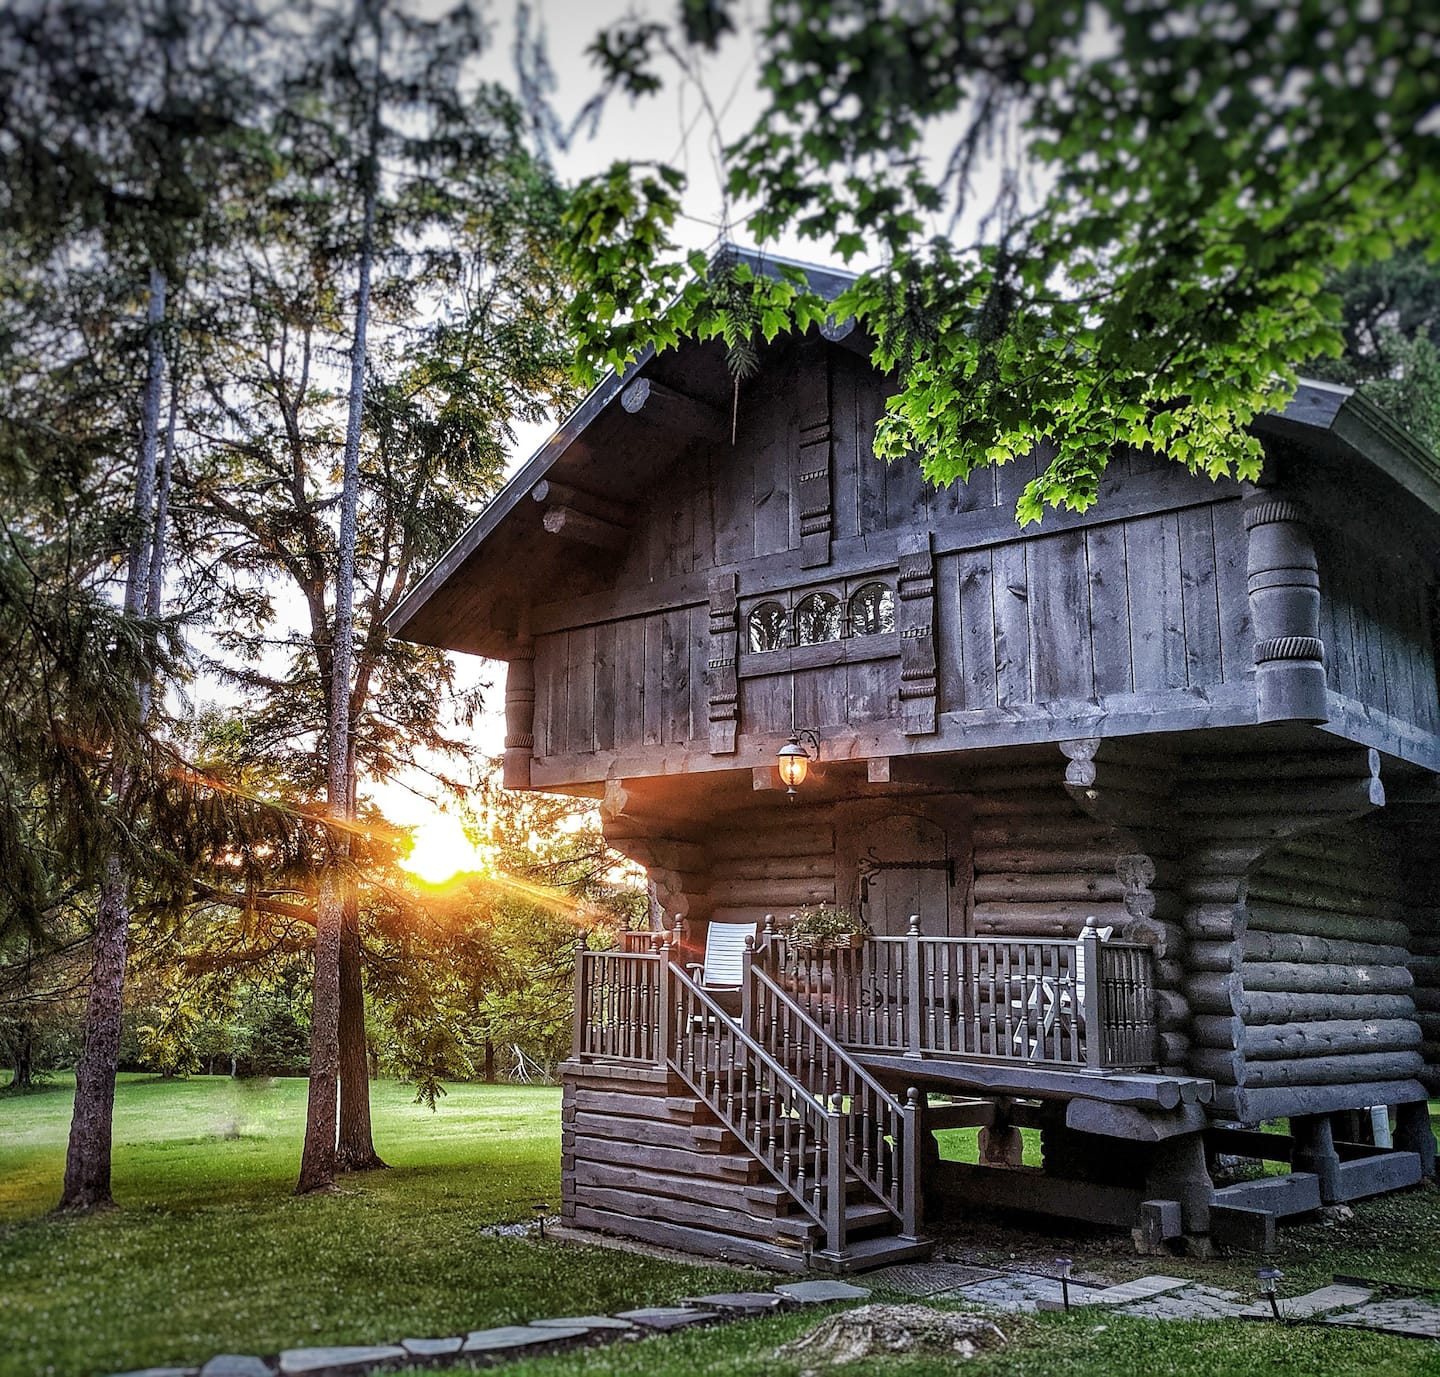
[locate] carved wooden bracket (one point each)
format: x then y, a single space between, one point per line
916 623
721 680
812 481
520 715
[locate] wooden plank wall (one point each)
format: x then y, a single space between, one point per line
1149 605
1153 604
1377 619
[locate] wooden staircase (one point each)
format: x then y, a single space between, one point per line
757 1140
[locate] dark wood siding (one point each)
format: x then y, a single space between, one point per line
1377 619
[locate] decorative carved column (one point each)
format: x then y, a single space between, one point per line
520 715
1284 587
721 679
916 622
812 484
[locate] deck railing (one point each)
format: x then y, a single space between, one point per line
982 998
798 1135
775 1078
882 1139
619 1012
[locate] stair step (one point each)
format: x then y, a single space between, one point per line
867 1215
865 1254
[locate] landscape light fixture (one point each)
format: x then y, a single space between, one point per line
1063 1266
794 759
1268 1277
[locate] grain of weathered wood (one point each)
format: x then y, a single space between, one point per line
1200 595
1157 610
605 686
1109 608
1060 648
1011 593
580 696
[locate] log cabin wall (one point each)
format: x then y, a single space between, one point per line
1307 1005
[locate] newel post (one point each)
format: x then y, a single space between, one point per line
664 1030
1090 1000
747 987
911 1203
835 1175
582 996
914 987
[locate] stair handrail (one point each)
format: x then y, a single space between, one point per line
803 1149
882 1131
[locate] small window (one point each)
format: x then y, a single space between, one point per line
767 627
817 619
872 610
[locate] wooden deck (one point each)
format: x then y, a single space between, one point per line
812 1073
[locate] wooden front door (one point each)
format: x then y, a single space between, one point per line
901 859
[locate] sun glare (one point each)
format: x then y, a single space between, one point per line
442 851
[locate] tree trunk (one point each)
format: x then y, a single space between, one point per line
356 1151
87 1159
24 1061
318 1159
489 1075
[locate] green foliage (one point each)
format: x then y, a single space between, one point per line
1176 186
1392 340
820 924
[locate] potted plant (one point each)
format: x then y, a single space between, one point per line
827 927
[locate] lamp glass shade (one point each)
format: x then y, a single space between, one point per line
794 764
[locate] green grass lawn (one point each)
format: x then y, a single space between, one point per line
212 1252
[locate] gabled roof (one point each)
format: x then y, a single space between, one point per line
595 448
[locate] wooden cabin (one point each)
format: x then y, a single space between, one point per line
1140 808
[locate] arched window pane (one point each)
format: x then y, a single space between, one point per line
767 627
872 610
817 619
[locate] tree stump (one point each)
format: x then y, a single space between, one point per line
876 1331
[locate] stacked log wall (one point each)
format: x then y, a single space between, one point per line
1418 834
1298 974
776 869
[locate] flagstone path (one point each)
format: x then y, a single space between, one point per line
1155 1297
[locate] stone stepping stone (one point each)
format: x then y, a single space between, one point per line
929 1279
1337 1297
431 1348
1020 1291
667 1317
339 1360
163 1372
508 1337
1193 1303
1406 1315
236 1365
1142 1289
590 1322
745 1302
818 1292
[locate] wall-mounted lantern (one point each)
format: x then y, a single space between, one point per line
794 758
